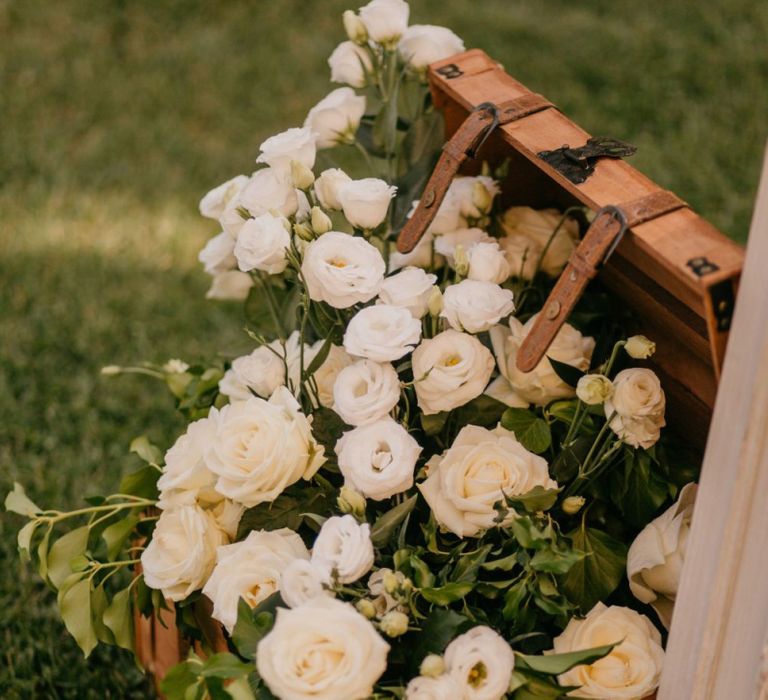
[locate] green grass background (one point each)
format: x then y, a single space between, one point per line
115 116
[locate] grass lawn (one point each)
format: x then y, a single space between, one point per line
116 115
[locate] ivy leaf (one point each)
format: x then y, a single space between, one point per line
565 465
63 551
535 500
75 610
533 432
642 491
555 561
225 665
386 524
483 411
568 373
118 617
17 502
253 625
146 450
555 664
447 594
327 428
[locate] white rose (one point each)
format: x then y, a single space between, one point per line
463 189
297 144
213 203
322 650
301 582
481 663
526 234
342 270
365 391
637 407
440 688
423 255
232 285
350 64
269 192
325 375
262 244
382 333
594 389
450 370
251 570
655 559
365 202
487 263
378 459
261 448
446 243
542 384
327 187
631 671
467 480
475 306
182 553
410 288
343 548
336 117
639 347
218 255
226 513
422 44
385 20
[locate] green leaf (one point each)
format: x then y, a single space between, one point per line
535 500
146 450
179 679
527 534
253 625
447 594
533 432
63 551
483 411
514 598
422 575
555 561
75 610
117 533
504 564
433 423
642 490
469 564
327 428
42 553
565 465
319 358
286 510
225 665
568 373
441 626
598 574
555 664
118 617
17 502
24 538
99 604
385 524
141 483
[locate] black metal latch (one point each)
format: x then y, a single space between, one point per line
577 164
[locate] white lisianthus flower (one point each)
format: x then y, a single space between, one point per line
336 117
423 255
322 650
350 64
378 460
365 391
594 389
487 263
232 219
466 481
325 375
268 192
182 553
631 671
342 270
232 285
542 384
327 187
385 20
475 306
262 244
343 548
251 570
365 202
450 370
212 205
637 407
447 243
298 144
382 333
422 44
526 233
301 582
410 289
261 448
463 193
439 688
481 663
655 559
218 255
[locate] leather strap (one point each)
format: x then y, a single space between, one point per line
599 242
464 144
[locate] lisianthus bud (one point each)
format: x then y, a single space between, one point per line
432 666
594 389
391 581
573 504
354 27
350 501
481 197
111 370
304 232
301 175
321 222
366 608
639 347
435 302
394 623
461 261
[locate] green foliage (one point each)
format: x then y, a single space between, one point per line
533 432
195 678
386 524
253 624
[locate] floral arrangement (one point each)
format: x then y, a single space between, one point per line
376 502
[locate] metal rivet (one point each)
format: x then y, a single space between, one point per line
553 310
573 277
429 197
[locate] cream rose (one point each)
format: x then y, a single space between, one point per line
322 650
379 459
301 582
542 384
342 270
262 244
251 570
385 20
336 117
440 688
450 370
213 203
325 376
327 187
343 548
365 391
382 333
268 192
481 466
594 389
279 151
655 559
182 553
218 255
631 671
447 243
475 306
261 448
410 288
232 285
487 263
637 407
350 64
481 663
422 44
365 202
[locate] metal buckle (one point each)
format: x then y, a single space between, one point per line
482 137
617 214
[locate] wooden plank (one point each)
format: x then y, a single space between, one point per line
717 643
